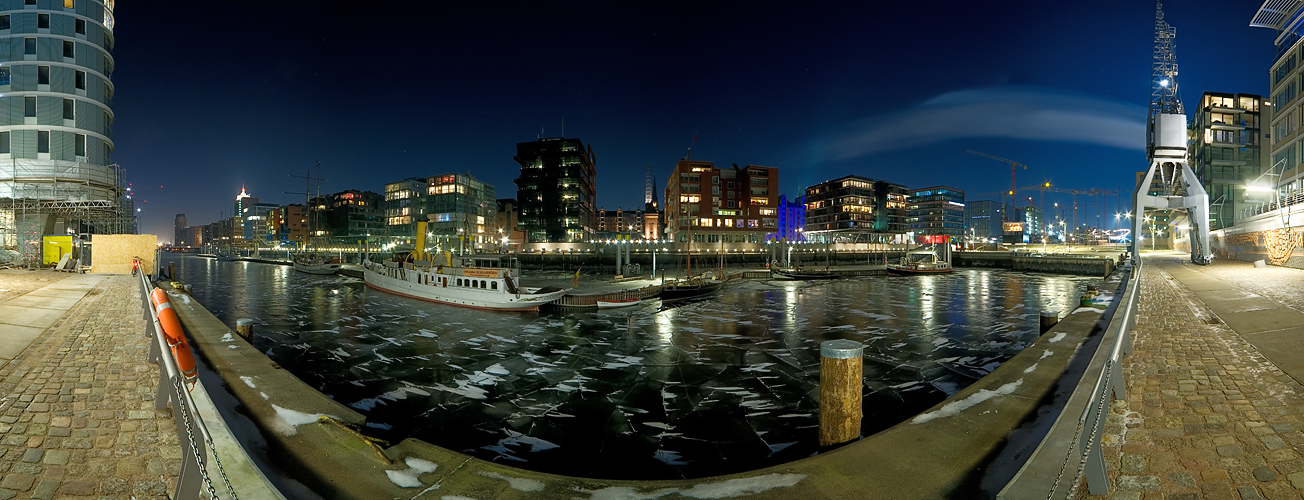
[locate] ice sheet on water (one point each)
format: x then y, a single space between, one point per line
669 457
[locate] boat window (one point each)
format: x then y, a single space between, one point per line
482 285
493 285
459 282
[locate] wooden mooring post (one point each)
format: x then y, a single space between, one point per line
841 391
244 327
1048 320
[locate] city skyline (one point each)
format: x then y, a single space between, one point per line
817 90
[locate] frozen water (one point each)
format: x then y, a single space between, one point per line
711 387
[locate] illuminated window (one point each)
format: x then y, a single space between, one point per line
67 4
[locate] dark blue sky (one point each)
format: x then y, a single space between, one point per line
213 96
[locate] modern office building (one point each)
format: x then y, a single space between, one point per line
404 206
714 205
792 220
1286 78
855 209
557 190
460 211
255 222
352 215
1225 136
935 213
242 202
179 230
290 223
982 220
56 93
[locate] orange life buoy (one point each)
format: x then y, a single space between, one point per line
185 359
176 337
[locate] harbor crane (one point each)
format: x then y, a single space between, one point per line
1013 166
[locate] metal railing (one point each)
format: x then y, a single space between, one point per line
1070 451
171 391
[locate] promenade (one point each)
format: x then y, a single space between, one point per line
76 395
1212 410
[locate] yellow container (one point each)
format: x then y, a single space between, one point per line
54 248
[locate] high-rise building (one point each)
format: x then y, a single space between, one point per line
1287 77
56 89
982 220
1225 137
290 224
179 230
557 190
461 211
792 220
404 206
935 213
731 205
242 203
855 209
352 214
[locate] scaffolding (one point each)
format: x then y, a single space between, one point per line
41 197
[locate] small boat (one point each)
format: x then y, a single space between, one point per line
315 264
614 303
796 274
690 288
922 261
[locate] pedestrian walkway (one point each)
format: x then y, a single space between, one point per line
1212 410
77 416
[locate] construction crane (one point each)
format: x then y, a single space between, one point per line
1013 167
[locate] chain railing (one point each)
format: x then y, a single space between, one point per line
171 391
1071 450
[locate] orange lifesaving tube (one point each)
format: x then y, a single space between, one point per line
176 337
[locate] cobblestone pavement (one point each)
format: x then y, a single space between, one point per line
1207 416
77 416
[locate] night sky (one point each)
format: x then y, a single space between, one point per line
215 96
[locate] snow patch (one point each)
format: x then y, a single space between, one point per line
288 419
1058 337
228 337
409 478
1087 310
249 381
520 484
955 407
731 488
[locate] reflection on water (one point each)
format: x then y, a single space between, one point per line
711 387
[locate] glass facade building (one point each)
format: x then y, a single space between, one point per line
56 91
935 213
1225 137
557 190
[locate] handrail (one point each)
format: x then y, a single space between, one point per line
1070 451
191 430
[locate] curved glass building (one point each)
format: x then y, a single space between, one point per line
56 90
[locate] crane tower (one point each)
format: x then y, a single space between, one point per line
1169 183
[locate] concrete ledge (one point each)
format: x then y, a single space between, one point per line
942 453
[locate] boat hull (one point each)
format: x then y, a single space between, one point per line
794 275
910 271
409 283
673 292
319 269
612 304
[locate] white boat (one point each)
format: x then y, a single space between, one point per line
922 261
476 281
614 303
315 264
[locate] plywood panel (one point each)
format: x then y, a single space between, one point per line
112 253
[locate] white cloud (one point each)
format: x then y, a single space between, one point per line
1007 112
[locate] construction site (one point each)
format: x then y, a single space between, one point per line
49 209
